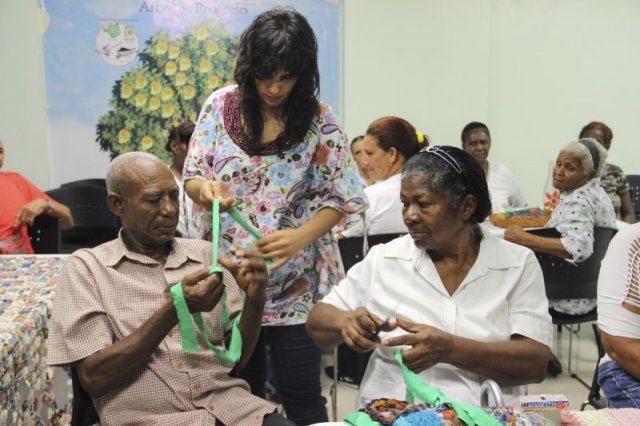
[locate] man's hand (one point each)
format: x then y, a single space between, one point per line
202 291
429 345
30 211
250 273
358 331
209 190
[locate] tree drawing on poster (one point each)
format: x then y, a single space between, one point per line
176 75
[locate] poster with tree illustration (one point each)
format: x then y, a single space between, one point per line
121 73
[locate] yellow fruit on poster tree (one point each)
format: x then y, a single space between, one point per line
180 79
126 91
204 66
161 47
154 103
184 63
166 94
167 110
156 86
211 48
170 68
124 136
212 82
146 142
201 33
188 92
174 51
140 81
140 100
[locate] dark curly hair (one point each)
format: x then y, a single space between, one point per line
180 133
598 125
279 39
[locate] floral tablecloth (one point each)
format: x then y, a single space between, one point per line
26 297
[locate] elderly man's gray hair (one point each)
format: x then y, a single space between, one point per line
117 181
591 154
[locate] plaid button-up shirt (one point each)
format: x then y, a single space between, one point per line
107 292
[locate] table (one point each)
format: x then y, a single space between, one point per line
27 286
604 417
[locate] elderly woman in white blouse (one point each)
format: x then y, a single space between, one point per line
388 143
468 306
583 206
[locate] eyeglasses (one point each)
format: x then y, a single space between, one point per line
445 156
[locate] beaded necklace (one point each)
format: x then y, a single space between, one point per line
232 115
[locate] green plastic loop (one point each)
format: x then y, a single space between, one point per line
431 395
189 338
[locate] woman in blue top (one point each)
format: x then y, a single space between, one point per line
271 149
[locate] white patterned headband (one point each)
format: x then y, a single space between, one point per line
445 156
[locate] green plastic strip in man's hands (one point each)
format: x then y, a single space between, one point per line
189 339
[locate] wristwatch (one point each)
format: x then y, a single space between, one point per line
50 206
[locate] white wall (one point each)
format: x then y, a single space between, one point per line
534 70
23 108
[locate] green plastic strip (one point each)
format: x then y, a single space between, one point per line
360 418
189 339
431 395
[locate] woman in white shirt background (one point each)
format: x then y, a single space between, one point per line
357 152
388 143
503 186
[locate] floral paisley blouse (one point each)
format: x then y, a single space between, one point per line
277 189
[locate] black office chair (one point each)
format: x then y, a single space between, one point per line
86 182
44 235
595 399
634 184
567 280
352 364
83 412
94 223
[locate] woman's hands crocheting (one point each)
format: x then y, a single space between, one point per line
202 291
429 345
250 272
359 330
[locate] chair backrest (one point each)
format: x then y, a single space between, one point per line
87 182
353 249
83 412
45 235
634 184
595 399
566 280
94 223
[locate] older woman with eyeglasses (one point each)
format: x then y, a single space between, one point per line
465 306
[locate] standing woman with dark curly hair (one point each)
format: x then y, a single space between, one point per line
269 148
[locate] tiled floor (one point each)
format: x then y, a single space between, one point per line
584 351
